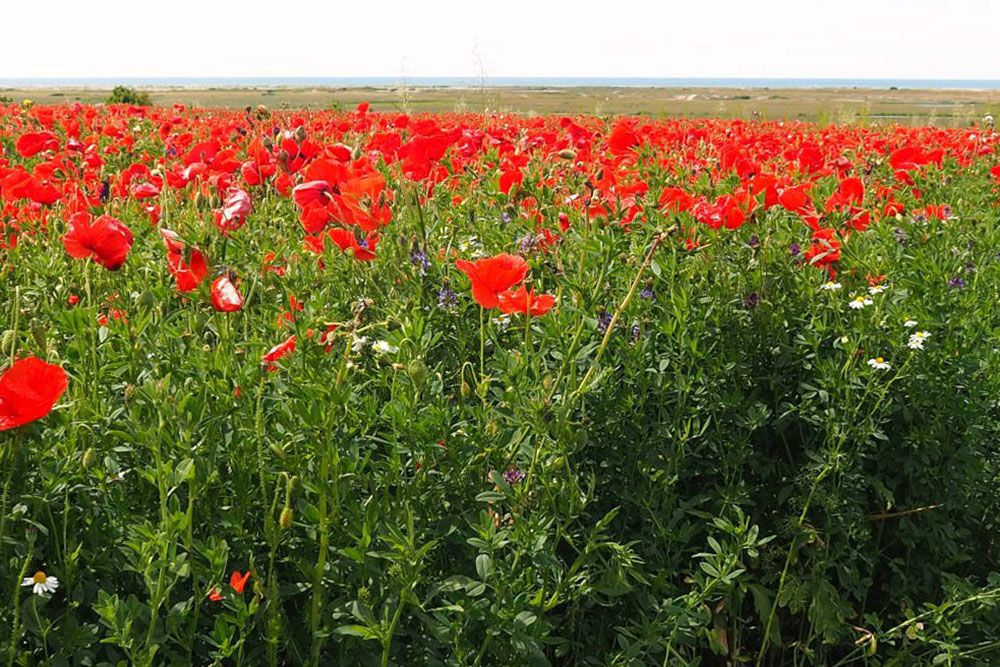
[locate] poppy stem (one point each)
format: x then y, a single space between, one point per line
15 316
482 343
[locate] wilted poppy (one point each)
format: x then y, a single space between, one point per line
492 275
238 581
277 352
28 390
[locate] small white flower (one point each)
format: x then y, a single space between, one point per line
876 289
502 322
879 364
830 286
917 339
909 324
358 344
382 347
41 583
860 302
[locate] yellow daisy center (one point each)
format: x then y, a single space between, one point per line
879 360
40 577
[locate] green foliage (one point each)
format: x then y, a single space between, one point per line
715 481
129 95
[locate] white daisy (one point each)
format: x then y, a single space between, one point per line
830 286
909 324
860 302
879 364
917 340
382 347
876 289
41 583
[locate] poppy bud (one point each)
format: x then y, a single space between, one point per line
39 333
465 389
7 340
287 516
300 134
88 458
418 372
267 143
567 154
547 382
129 392
278 451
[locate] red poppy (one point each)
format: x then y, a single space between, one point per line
277 352
238 581
105 240
28 390
225 297
492 275
526 302
33 143
214 595
363 249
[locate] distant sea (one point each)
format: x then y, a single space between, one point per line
500 81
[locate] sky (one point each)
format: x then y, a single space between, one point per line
925 39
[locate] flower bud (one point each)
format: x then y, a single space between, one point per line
88 458
287 516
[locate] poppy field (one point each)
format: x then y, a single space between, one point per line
356 388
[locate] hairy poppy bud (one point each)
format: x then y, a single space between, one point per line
300 134
40 333
465 389
267 143
88 458
418 372
567 154
7 340
287 516
129 392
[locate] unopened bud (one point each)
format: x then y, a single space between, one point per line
88 458
567 154
287 516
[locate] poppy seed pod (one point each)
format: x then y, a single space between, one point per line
300 134
567 154
267 143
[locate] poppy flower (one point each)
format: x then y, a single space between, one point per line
31 144
105 240
188 275
526 302
362 250
238 581
28 390
225 297
214 595
277 352
492 275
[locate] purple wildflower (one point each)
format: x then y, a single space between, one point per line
956 283
603 320
751 300
447 299
513 475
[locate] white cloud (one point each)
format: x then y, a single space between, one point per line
638 38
